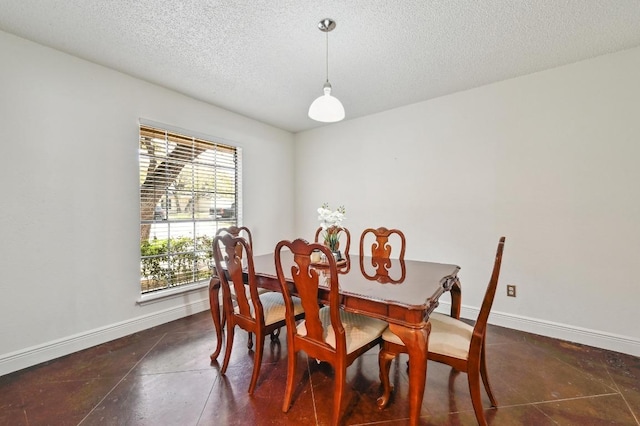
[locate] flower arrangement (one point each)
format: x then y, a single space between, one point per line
330 221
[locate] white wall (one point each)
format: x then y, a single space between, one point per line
546 159
69 216
549 160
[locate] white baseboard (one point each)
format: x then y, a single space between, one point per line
24 358
36 354
598 339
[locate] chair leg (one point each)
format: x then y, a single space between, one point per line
473 375
292 358
275 334
216 314
485 377
340 377
384 362
228 346
250 340
453 407
257 361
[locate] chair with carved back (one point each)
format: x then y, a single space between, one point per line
381 249
260 314
244 232
455 343
327 333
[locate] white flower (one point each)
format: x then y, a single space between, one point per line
331 219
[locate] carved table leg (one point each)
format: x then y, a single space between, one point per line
456 299
416 341
384 363
214 303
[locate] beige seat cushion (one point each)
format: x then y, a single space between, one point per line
273 307
359 329
246 287
449 336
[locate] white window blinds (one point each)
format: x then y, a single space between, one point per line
189 188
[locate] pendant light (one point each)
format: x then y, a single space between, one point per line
326 108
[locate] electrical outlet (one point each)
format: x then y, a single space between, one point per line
511 290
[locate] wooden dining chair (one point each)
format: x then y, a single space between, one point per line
244 232
347 239
327 333
260 314
452 342
381 250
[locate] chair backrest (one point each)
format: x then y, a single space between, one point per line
381 248
236 231
236 249
347 235
480 328
307 280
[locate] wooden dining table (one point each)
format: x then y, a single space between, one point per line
403 293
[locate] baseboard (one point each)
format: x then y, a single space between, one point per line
18 360
24 358
598 339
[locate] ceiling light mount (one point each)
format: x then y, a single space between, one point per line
326 108
326 25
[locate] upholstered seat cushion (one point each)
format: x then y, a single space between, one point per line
246 287
359 329
449 336
273 307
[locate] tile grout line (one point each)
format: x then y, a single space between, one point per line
514 390
575 398
536 404
544 414
313 396
589 375
121 380
623 398
208 399
551 401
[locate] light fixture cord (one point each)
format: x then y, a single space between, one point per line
327 33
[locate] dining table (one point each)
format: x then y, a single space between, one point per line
401 292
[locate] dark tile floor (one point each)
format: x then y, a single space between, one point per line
163 376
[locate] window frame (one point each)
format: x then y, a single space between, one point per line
203 225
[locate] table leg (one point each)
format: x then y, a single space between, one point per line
416 341
214 304
456 299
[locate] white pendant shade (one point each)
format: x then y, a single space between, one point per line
326 108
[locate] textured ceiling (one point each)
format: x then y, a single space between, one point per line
265 58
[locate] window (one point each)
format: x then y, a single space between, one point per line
189 187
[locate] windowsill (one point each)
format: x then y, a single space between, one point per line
170 293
